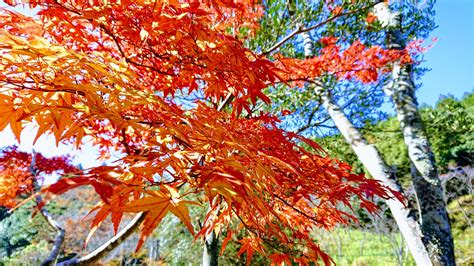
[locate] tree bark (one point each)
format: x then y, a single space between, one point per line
434 216
373 161
210 254
435 223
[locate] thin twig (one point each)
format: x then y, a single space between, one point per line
296 209
226 101
301 29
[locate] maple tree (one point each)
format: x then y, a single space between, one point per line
19 175
110 72
22 175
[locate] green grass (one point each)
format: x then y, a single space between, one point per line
461 213
359 247
363 248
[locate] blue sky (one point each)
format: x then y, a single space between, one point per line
451 61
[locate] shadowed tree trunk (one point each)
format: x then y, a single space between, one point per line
373 161
401 89
210 255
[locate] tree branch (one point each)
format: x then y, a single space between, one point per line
302 29
126 232
108 246
226 101
59 239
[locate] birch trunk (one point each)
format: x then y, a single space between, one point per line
434 216
401 89
373 161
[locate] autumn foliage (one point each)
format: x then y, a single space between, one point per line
357 61
19 174
109 73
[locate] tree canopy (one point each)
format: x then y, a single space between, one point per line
110 73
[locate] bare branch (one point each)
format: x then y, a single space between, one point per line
226 101
107 247
58 241
113 242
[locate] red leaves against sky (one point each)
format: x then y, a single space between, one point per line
170 46
16 173
110 72
357 62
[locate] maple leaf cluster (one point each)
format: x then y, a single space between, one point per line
357 61
18 174
110 72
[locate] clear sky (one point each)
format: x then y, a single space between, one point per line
452 58
451 61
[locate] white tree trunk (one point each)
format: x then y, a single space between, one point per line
371 159
434 216
428 188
